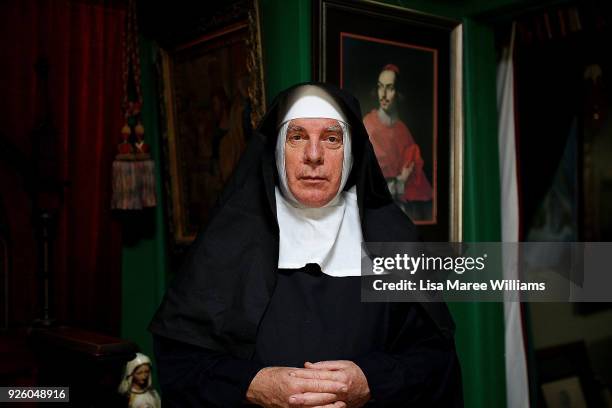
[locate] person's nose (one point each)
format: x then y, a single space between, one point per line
313 153
385 94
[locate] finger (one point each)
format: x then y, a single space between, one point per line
337 404
320 374
308 385
313 398
328 365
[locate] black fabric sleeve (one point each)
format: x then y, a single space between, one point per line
191 376
419 369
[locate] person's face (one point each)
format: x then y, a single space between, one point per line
386 89
141 375
314 151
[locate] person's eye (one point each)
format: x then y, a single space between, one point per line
295 137
334 140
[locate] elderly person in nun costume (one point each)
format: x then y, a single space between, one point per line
267 310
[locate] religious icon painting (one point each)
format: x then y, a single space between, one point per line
405 69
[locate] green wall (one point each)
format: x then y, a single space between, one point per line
286 43
480 334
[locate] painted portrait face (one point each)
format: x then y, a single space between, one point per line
386 89
314 151
141 375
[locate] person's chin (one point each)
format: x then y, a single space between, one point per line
314 199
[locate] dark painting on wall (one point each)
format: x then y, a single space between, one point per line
396 85
213 92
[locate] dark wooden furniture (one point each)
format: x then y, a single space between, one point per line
91 364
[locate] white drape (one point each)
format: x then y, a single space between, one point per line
517 385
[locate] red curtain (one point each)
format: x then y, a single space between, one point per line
81 41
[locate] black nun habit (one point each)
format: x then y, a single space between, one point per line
230 311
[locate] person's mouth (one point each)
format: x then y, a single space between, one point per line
313 178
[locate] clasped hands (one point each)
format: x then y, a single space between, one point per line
326 384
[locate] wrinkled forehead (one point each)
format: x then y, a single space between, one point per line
309 102
316 125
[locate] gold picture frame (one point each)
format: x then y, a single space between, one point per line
213 96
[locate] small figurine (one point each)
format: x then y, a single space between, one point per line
136 384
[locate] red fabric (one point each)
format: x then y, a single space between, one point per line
395 149
417 186
82 42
